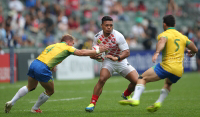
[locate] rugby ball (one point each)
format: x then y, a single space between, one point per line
101 57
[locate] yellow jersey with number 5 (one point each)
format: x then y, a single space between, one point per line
55 54
173 52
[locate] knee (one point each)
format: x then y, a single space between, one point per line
50 92
31 89
144 78
102 80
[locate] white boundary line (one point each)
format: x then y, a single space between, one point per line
107 91
67 99
78 98
150 91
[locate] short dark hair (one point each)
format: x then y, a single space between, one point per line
106 18
169 20
67 37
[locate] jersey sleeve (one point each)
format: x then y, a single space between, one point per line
71 49
95 39
187 41
122 43
162 35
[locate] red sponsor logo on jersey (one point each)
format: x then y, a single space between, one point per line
100 39
109 37
112 35
104 42
118 50
102 36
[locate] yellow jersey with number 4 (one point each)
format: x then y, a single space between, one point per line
55 54
173 52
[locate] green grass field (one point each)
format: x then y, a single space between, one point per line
71 98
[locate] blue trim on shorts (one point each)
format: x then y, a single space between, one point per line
165 74
40 71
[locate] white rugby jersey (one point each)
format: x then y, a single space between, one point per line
115 40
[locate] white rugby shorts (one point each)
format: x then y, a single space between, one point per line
123 68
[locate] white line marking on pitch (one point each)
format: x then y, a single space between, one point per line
147 91
155 90
10 86
107 91
68 99
15 86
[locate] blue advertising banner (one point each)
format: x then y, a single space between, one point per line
142 60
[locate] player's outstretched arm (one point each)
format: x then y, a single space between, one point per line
192 49
159 47
97 56
86 52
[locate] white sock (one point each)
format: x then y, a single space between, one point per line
41 100
21 92
138 91
163 95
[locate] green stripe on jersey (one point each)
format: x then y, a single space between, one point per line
187 43
164 53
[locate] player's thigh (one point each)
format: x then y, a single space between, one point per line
132 76
150 75
105 74
32 83
128 72
48 86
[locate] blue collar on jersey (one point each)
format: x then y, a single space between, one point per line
171 28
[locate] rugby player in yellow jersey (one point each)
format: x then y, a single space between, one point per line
172 44
41 69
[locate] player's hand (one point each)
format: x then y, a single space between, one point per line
111 57
155 56
97 56
103 48
190 53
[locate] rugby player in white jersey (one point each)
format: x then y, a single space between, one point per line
115 60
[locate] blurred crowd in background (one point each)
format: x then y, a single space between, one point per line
38 23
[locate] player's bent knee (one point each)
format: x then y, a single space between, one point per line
49 93
140 77
32 89
52 93
102 80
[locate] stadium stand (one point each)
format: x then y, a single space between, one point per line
38 23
